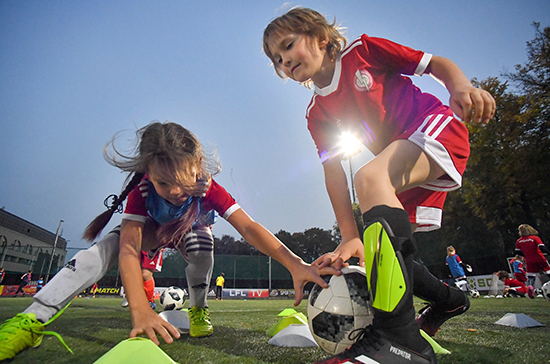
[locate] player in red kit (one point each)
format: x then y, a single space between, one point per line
535 252
420 152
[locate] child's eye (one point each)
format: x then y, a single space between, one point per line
289 45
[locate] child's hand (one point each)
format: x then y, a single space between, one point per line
147 321
304 273
465 100
337 259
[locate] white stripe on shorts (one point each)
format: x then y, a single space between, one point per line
426 138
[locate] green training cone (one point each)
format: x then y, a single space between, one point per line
297 318
136 351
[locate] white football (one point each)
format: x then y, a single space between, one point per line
474 293
546 291
172 298
338 310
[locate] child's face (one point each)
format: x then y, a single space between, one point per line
170 191
298 56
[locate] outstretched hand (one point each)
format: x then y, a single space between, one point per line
337 259
310 273
148 322
472 99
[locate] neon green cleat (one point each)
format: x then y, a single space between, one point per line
200 324
18 333
24 331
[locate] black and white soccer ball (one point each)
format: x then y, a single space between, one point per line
333 313
172 298
546 291
474 293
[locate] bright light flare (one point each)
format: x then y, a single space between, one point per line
350 144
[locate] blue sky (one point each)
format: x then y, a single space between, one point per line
73 73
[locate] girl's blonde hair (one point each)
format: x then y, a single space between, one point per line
527 230
308 22
174 153
450 250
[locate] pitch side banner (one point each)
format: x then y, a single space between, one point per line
29 290
245 293
481 283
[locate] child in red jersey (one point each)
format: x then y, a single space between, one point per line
171 201
513 287
518 267
420 152
535 252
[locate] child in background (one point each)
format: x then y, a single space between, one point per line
25 279
457 266
220 281
93 290
420 152
535 252
513 287
518 268
170 195
39 284
149 265
2 274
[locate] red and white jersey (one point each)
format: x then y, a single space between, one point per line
515 284
369 96
216 198
531 246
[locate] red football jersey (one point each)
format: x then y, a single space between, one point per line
515 284
370 97
530 247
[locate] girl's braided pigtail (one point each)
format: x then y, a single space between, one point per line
97 225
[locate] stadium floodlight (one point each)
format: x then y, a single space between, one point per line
350 146
53 251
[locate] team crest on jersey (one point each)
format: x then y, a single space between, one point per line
363 80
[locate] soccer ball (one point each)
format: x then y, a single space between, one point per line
546 291
172 298
341 308
474 293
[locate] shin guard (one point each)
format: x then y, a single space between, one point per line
385 268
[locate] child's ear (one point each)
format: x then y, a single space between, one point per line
323 43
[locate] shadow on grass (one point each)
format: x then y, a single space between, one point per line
243 344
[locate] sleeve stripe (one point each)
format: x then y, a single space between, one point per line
134 217
423 64
230 211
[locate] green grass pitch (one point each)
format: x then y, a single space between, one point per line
91 327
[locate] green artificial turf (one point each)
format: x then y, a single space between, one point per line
91 327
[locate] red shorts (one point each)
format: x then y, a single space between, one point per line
520 277
445 140
153 264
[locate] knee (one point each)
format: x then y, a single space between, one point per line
367 181
146 274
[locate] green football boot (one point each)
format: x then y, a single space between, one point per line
24 331
200 324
